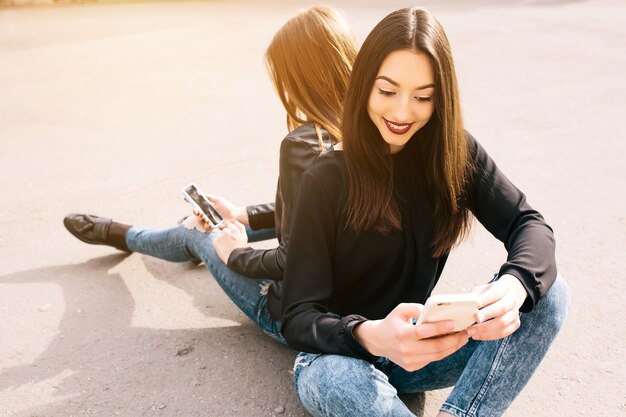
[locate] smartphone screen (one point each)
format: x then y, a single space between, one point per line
204 205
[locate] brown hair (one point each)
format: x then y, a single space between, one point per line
310 60
370 202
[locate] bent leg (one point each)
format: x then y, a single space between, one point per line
168 244
335 385
249 294
488 375
498 370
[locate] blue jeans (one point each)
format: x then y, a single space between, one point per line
180 244
486 375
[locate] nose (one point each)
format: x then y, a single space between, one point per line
402 111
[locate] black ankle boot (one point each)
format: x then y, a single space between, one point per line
97 230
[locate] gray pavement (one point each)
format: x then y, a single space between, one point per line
111 108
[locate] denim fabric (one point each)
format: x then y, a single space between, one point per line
180 244
486 375
259 235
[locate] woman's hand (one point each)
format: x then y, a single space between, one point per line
500 302
228 210
410 346
232 236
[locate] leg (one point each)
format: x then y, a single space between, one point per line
180 244
488 375
498 370
335 385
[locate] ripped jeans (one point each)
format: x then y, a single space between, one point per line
182 244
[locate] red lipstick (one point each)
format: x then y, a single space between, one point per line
397 128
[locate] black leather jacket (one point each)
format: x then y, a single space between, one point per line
297 152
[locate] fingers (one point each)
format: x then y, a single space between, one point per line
479 289
236 228
497 309
496 328
428 330
406 311
491 294
443 344
431 350
232 228
206 224
241 227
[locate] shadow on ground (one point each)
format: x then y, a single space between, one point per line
98 362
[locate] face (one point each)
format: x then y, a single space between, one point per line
401 101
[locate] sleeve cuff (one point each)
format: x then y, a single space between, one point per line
350 322
531 298
261 216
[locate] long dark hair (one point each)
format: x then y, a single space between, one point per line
370 204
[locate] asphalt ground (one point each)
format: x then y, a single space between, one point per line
111 108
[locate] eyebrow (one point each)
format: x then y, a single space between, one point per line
389 80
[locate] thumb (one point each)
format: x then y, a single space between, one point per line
214 198
407 311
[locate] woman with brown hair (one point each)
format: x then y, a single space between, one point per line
309 61
374 222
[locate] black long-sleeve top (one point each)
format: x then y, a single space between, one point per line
332 270
298 150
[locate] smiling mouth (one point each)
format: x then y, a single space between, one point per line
397 128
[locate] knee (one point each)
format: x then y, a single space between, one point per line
319 383
555 304
338 385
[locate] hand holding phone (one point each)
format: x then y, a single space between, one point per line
202 205
460 308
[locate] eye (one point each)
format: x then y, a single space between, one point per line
386 92
424 99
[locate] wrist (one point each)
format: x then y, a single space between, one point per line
518 288
365 333
242 216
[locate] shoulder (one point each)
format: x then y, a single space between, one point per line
305 137
302 136
477 155
483 169
329 170
472 144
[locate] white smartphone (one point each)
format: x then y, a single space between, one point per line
197 199
459 308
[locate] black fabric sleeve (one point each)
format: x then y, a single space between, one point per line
295 157
307 325
261 216
503 210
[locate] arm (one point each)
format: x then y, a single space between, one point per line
503 210
243 215
308 325
295 157
306 322
259 216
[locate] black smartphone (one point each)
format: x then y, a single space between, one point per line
197 199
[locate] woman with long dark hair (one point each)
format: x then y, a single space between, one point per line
373 225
